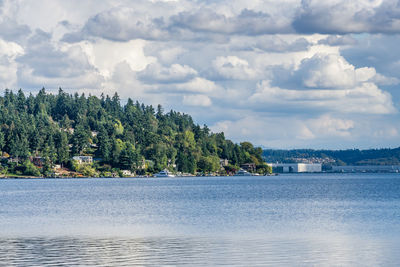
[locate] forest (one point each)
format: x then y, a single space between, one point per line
142 139
383 156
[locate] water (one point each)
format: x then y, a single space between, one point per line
289 220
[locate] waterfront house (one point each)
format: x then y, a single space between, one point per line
126 173
83 159
38 161
223 162
250 167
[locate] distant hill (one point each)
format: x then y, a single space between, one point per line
385 156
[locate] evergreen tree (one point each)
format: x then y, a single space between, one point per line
48 125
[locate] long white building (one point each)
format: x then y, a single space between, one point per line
295 167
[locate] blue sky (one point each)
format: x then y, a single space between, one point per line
281 74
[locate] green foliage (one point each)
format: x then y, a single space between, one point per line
263 168
30 169
57 127
85 169
209 164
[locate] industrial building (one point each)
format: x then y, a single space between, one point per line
295 167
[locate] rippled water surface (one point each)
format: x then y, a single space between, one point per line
301 220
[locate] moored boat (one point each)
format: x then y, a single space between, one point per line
164 173
242 172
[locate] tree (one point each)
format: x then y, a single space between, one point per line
80 139
2 141
129 157
46 124
62 147
104 144
117 146
29 168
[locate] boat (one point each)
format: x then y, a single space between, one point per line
242 172
164 173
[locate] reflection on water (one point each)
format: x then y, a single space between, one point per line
194 252
342 220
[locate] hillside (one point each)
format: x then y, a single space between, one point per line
134 137
384 156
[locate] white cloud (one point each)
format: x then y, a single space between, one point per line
8 67
105 55
366 98
197 100
197 85
326 125
338 40
383 80
124 24
248 22
169 54
176 73
281 89
341 16
327 71
233 67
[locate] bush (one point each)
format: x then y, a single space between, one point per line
30 169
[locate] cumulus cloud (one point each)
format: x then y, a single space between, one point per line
48 61
326 125
377 51
196 85
364 99
328 71
248 22
249 64
176 73
270 131
10 29
326 131
341 16
278 45
105 55
121 24
8 67
44 64
197 100
233 67
338 40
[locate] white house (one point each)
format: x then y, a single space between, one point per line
126 172
83 159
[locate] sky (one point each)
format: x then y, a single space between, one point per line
280 74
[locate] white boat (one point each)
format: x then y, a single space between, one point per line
164 173
242 172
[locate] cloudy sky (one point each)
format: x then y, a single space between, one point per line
281 73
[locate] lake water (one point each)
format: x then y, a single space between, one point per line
289 220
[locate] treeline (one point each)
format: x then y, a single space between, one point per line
131 137
384 156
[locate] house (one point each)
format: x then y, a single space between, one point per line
223 162
83 159
250 167
69 130
126 173
13 160
38 161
